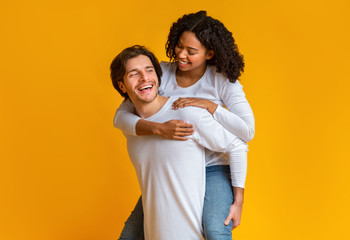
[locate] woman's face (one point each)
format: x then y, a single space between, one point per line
191 54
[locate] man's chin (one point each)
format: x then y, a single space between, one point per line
147 99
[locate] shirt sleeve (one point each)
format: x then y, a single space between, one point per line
125 119
239 120
213 136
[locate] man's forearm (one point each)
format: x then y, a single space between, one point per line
236 208
238 195
144 127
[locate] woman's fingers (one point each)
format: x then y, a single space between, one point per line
182 102
194 102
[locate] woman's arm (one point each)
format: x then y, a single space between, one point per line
126 120
239 120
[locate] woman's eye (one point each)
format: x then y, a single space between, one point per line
191 53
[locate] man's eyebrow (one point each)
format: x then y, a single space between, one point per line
132 70
135 69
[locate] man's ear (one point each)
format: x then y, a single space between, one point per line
210 54
122 86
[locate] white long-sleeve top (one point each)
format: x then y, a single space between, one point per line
239 120
171 173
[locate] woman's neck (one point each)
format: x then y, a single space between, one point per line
188 78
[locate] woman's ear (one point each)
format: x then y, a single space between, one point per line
122 86
210 54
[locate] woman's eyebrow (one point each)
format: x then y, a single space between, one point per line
193 48
190 47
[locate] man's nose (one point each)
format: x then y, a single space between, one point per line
144 76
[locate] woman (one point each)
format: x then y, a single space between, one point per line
205 64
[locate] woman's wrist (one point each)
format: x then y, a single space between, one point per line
212 107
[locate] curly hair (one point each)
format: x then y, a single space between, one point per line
118 65
214 36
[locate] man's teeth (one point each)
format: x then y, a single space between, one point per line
145 87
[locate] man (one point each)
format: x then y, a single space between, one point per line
171 173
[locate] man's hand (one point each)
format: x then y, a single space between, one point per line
236 208
173 129
235 215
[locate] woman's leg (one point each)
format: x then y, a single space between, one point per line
217 202
133 228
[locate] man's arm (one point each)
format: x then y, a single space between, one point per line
173 129
126 120
210 134
236 208
238 169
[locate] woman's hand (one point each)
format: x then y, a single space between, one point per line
195 102
175 130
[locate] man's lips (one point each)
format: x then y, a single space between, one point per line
145 87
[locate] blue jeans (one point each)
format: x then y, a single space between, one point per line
217 202
133 228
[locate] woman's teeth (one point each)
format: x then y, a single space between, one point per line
183 62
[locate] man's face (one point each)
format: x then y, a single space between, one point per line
140 80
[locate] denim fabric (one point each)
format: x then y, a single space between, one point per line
133 228
217 202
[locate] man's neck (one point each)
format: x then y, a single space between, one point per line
146 110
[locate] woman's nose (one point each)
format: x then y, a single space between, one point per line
182 53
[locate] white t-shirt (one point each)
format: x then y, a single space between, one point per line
171 173
239 120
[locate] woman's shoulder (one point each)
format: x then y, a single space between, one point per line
166 66
222 84
222 80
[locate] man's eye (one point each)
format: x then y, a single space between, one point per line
150 70
133 74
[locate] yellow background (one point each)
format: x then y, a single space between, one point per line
64 171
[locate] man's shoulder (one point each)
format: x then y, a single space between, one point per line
191 115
